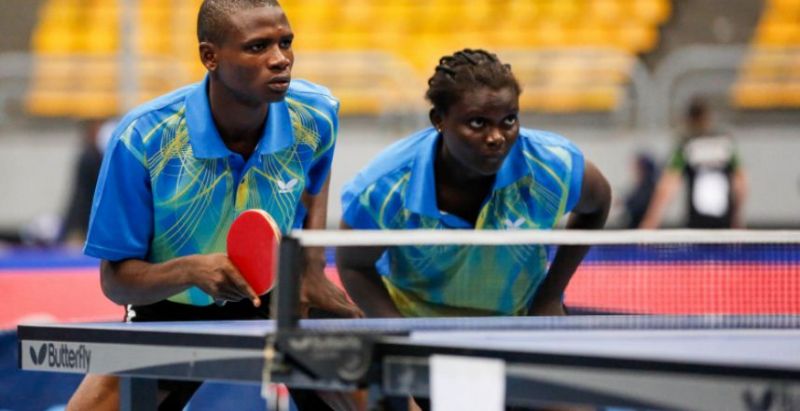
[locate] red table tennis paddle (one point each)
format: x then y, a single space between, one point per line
253 248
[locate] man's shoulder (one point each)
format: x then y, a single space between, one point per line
158 108
311 94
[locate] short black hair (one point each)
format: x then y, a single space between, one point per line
698 109
467 70
212 20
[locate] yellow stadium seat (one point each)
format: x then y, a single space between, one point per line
100 40
561 10
53 73
552 34
600 98
393 17
95 104
582 33
756 95
356 14
520 13
55 40
553 100
650 11
791 94
365 82
604 11
312 15
778 33
510 37
769 76
51 103
474 16
635 37
151 40
765 65
59 13
98 74
784 7
412 32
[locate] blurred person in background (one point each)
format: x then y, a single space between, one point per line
637 200
477 168
708 161
96 133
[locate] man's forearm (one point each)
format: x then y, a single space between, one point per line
140 282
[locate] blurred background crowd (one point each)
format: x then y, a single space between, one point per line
691 108
616 76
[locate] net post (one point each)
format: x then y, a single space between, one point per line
286 305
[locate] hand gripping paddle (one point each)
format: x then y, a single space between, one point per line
253 248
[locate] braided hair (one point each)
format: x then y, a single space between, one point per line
467 70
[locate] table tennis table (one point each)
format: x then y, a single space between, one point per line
698 362
705 362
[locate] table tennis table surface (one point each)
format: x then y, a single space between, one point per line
602 359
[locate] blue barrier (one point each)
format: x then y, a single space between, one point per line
45 391
27 390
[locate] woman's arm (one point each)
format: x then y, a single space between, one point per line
362 280
590 212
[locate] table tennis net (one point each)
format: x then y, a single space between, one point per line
688 279
667 272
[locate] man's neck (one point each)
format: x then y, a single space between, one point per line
240 125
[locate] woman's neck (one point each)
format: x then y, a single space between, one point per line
459 192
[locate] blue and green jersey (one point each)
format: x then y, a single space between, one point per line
537 184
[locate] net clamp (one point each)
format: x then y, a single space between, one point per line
332 357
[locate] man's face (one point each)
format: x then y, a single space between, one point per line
480 129
255 59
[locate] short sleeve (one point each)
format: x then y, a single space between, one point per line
576 178
677 161
736 161
355 208
323 158
121 223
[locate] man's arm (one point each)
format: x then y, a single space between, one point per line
139 282
317 290
362 281
739 197
667 186
590 212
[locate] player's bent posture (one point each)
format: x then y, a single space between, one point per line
476 168
180 168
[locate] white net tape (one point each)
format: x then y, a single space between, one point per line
336 238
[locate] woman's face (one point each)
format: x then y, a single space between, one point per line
479 130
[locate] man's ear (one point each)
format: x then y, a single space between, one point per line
436 119
208 55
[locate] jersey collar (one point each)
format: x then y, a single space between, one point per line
421 197
205 138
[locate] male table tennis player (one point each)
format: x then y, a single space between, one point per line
476 168
180 168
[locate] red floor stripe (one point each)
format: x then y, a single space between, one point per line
64 295
687 288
